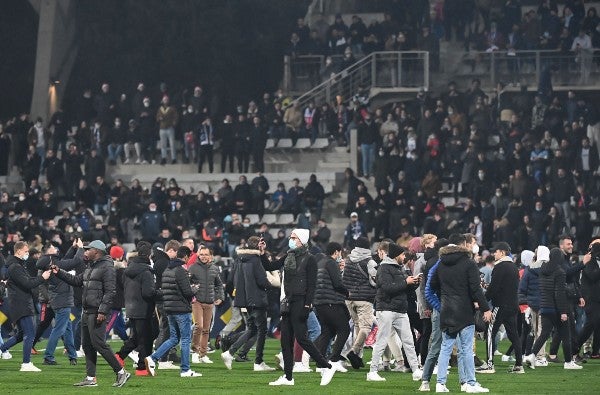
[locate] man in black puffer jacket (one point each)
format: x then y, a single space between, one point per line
61 299
590 288
330 296
140 294
99 284
177 299
251 285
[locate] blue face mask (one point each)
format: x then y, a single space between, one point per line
338 259
292 244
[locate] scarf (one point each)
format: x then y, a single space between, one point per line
289 265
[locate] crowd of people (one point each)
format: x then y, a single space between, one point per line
321 303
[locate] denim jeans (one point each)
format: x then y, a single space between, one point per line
368 157
180 329
434 346
25 333
114 151
117 324
62 328
167 136
314 328
464 344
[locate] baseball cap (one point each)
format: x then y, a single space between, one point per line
97 244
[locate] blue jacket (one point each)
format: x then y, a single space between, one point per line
430 295
529 288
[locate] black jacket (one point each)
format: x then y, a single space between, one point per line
59 292
503 289
357 280
19 289
590 281
140 293
161 262
299 283
431 257
553 296
250 280
457 281
392 287
330 288
210 286
99 283
176 289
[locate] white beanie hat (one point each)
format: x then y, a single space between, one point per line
527 257
302 234
543 253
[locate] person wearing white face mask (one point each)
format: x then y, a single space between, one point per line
299 269
21 305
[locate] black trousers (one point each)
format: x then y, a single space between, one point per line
93 339
549 322
508 317
557 338
259 162
46 317
256 330
140 340
206 153
591 326
334 320
424 339
243 161
225 156
293 325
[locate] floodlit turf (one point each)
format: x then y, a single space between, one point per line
242 380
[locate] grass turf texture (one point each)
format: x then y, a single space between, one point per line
217 379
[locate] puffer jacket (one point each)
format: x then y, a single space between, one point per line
330 288
139 290
250 279
457 281
392 287
60 294
503 289
208 279
19 289
590 282
553 293
357 281
176 289
529 287
99 283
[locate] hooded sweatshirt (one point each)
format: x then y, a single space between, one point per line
359 275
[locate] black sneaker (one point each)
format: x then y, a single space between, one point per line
516 370
478 362
73 361
49 362
554 360
242 358
121 379
578 359
86 383
218 342
354 359
225 343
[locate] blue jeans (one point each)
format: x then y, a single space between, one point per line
76 326
62 328
25 333
464 344
367 152
314 328
114 151
117 324
434 346
180 328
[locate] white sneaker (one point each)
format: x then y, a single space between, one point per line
327 375
441 388
572 366
508 358
476 389
6 355
417 375
150 365
463 387
435 370
374 376
30 367
401 368
127 161
227 359
195 357
205 359
299 367
167 365
262 367
134 355
279 360
530 359
80 353
424 387
190 373
339 366
282 381
497 353
541 362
